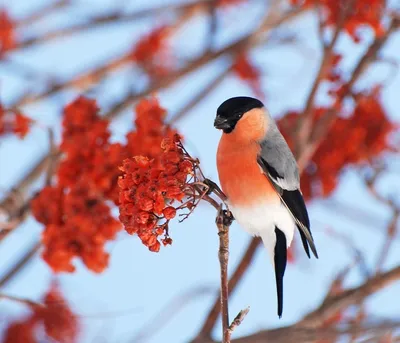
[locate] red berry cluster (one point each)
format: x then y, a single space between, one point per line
359 13
54 316
7 33
149 189
366 131
76 210
151 52
14 122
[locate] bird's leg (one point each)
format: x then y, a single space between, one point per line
213 187
227 217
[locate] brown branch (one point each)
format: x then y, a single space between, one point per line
53 154
309 329
390 239
42 12
200 96
237 275
356 214
238 319
24 260
291 334
82 80
23 301
114 18
335 304
223 221
169 311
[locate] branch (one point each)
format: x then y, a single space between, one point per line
334 304
171 309
238 319
114 18
82 80
309 329
200 96
19 265
237 275
223 221
292 334
42 12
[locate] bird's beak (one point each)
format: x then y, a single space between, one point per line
221 123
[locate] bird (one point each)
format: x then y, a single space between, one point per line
260 178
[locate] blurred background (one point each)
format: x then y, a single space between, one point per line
327 71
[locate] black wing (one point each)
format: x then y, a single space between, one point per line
294 202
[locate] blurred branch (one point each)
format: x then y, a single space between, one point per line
304 124
355 251
390 234
42 12
211 86
23 301
309 330
82 80
356 214
292 334
19 265
334 304
113 18
53 154
213 18
371 186
168 312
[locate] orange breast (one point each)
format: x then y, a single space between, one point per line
241 178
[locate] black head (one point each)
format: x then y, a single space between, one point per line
231 110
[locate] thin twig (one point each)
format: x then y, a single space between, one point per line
238 319
23 301
53 153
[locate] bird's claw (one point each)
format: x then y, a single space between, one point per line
212 186
227 217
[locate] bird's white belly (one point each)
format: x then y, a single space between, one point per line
261 219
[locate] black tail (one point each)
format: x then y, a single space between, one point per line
280 259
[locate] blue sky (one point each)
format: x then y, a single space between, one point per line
116 304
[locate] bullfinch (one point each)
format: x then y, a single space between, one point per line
259 175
